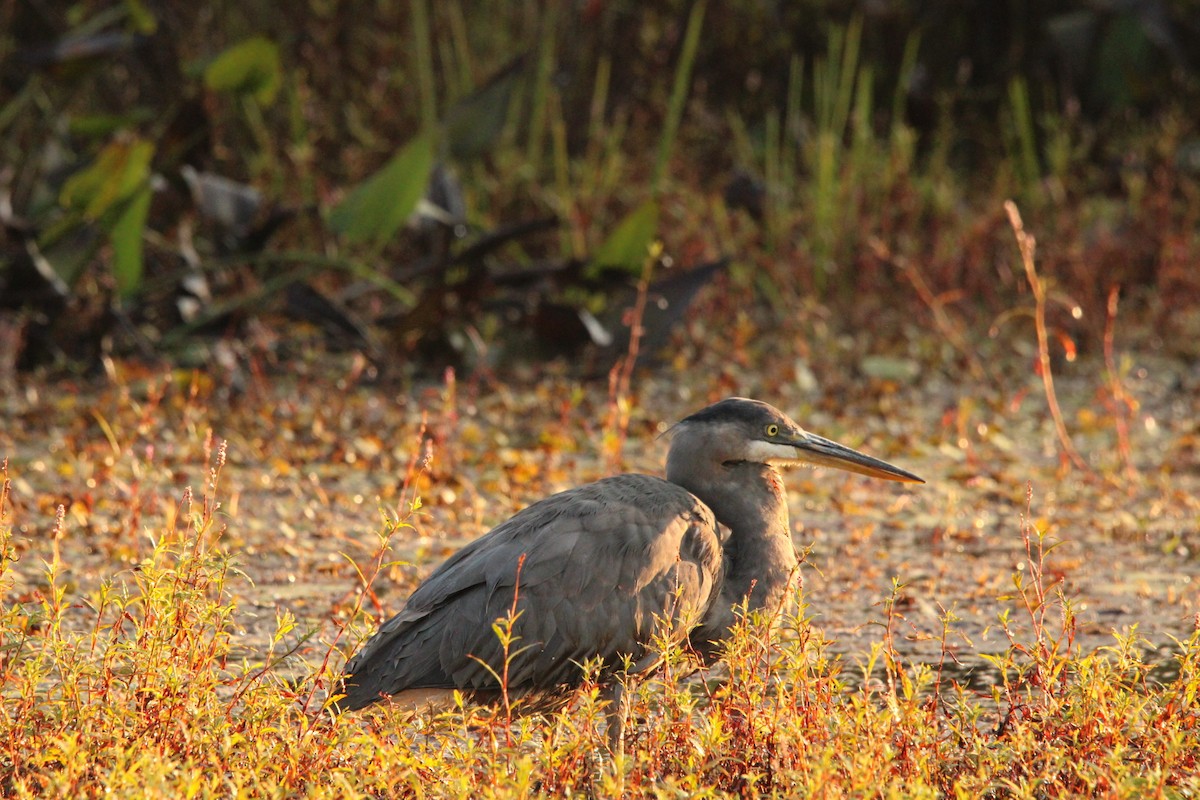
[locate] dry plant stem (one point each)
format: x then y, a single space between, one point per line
253 678
417 463
1027 245
1048 649
891 655
211 504
944 652
770 643
513 613
620 376
1037 608
1125 404
950 328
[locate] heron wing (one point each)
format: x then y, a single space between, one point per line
595 571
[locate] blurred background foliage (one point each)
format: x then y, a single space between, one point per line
472 183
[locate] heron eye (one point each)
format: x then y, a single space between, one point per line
772 430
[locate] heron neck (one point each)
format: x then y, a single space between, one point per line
760 559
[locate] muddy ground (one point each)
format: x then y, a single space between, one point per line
317 454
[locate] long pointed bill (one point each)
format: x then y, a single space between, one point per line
821 452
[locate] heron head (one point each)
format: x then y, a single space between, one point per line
739 429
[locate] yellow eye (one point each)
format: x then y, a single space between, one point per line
772 430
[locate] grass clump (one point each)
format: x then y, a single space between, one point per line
137 688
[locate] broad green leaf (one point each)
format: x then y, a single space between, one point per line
249 67
376 208
474 124
1123 61
67 245
127 243
628 246
120 169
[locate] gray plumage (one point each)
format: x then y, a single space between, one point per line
609 565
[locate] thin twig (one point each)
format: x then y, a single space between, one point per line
621 375
950 328
1027 245
1123 402
419 462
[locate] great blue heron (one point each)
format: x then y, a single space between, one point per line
600 570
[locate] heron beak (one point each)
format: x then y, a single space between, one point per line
821 452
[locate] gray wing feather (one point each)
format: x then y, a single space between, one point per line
604 565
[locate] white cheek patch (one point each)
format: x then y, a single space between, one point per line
768 453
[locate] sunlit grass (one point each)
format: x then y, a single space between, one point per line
144 687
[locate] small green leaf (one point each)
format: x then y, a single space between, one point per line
629 244
888 368
120 169
376 208
98 126
249 67
127 243
141 17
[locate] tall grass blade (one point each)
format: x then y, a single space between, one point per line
1026 138
835 78
683 75
908 63
538 112
599 98
792 128
457 23
423 50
